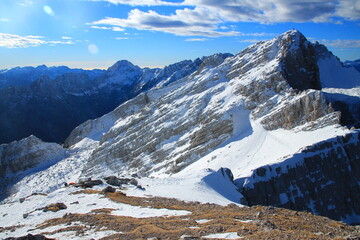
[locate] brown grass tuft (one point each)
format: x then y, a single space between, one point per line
265 222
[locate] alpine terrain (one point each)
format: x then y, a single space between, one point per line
50 102
260 145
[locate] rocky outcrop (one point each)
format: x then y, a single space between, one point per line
323 179
88 183
299 64
54 207
30 237
308 106
17 159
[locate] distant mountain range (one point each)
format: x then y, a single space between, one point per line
50 102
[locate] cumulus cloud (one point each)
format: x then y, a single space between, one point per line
15 41
271 11
185 22
266 11
206 18
349 9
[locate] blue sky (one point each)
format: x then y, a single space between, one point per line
155 33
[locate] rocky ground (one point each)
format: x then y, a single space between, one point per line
204 221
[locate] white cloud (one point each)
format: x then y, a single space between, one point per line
196 39
342 43
104 28
349 9
24 3
66 38
259 34
250 41
117 29
121 38
266 11
15 41
207 18
185 22
4 20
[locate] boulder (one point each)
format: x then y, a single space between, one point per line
115 181
30 237
55 207
88 183
109 189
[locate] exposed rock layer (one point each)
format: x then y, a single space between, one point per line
323 179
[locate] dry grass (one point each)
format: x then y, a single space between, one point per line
264 222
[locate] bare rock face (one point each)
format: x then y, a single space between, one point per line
323 179
19 158
308 106
170 127
299 64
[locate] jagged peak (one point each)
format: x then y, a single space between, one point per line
31 138
215 59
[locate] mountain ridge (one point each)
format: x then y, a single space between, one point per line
213 134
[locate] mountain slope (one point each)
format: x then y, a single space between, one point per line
62 98
205 136
191 117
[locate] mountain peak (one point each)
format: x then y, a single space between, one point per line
292 34
42 67
122 65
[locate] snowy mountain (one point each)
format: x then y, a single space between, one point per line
340 85
260 127
62 98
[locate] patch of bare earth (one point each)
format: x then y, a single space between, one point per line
249 222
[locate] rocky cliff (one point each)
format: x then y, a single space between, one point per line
323 179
